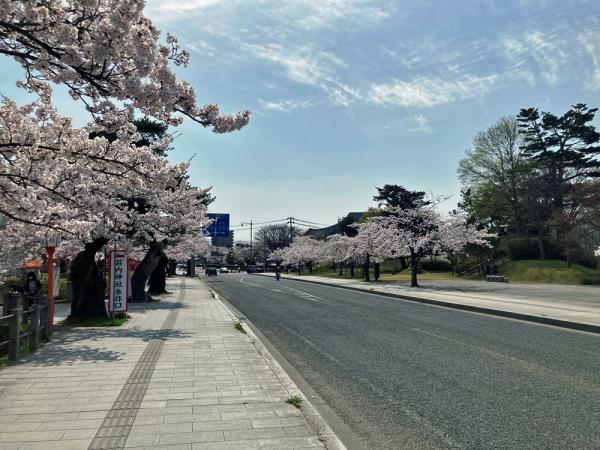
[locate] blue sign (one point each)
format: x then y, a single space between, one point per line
220 225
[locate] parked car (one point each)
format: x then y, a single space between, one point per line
211 271
224 270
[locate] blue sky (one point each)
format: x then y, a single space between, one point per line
347 95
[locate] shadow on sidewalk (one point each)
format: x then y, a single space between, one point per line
68 346
73 345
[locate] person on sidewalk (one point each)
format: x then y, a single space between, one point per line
30 289
32 285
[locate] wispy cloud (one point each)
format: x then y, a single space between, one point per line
302 64
591 44
284 106
427 92
538 50
177 7
324 13
311 67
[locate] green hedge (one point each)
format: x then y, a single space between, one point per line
435 265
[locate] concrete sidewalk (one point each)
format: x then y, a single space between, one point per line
178 375
576 307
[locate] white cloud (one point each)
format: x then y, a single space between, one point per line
285 105
160 8
323 13
202 48
307 66
591 44
541 49
302 65
427 92
422 123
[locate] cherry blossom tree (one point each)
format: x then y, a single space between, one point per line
337 249
74 181
421 231
303 249
54 176
109 56
370 245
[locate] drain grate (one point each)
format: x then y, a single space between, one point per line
115 428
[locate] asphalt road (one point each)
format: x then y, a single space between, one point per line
409 375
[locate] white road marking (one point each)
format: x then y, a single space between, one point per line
296 292
311 297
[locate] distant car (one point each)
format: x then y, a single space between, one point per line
224 270
211 271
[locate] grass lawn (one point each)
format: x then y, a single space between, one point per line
549 271
423 276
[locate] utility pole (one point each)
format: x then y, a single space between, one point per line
291 219
246 223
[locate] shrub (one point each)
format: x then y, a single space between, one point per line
528 248
590 278
587 261
436 265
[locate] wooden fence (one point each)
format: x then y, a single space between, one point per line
26 320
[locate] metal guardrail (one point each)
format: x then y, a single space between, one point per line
23 325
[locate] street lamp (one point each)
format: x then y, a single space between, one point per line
51 242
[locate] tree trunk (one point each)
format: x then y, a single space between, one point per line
87 283
158 277
403 264
341 269
413 270
366 269
172 268
377 271
143 271
351 270
541 245
310 268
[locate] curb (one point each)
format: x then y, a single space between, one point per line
313 415
478 309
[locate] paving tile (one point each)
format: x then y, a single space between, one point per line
278 422
291 442
185 438
72 444
19 426
10 445
228 445
162 428
253 434
24 436
71 424
142 440
300 430
80 434
222 425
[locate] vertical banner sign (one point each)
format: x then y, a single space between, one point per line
56 281
119 277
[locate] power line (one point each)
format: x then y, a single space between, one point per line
260 223
311 223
